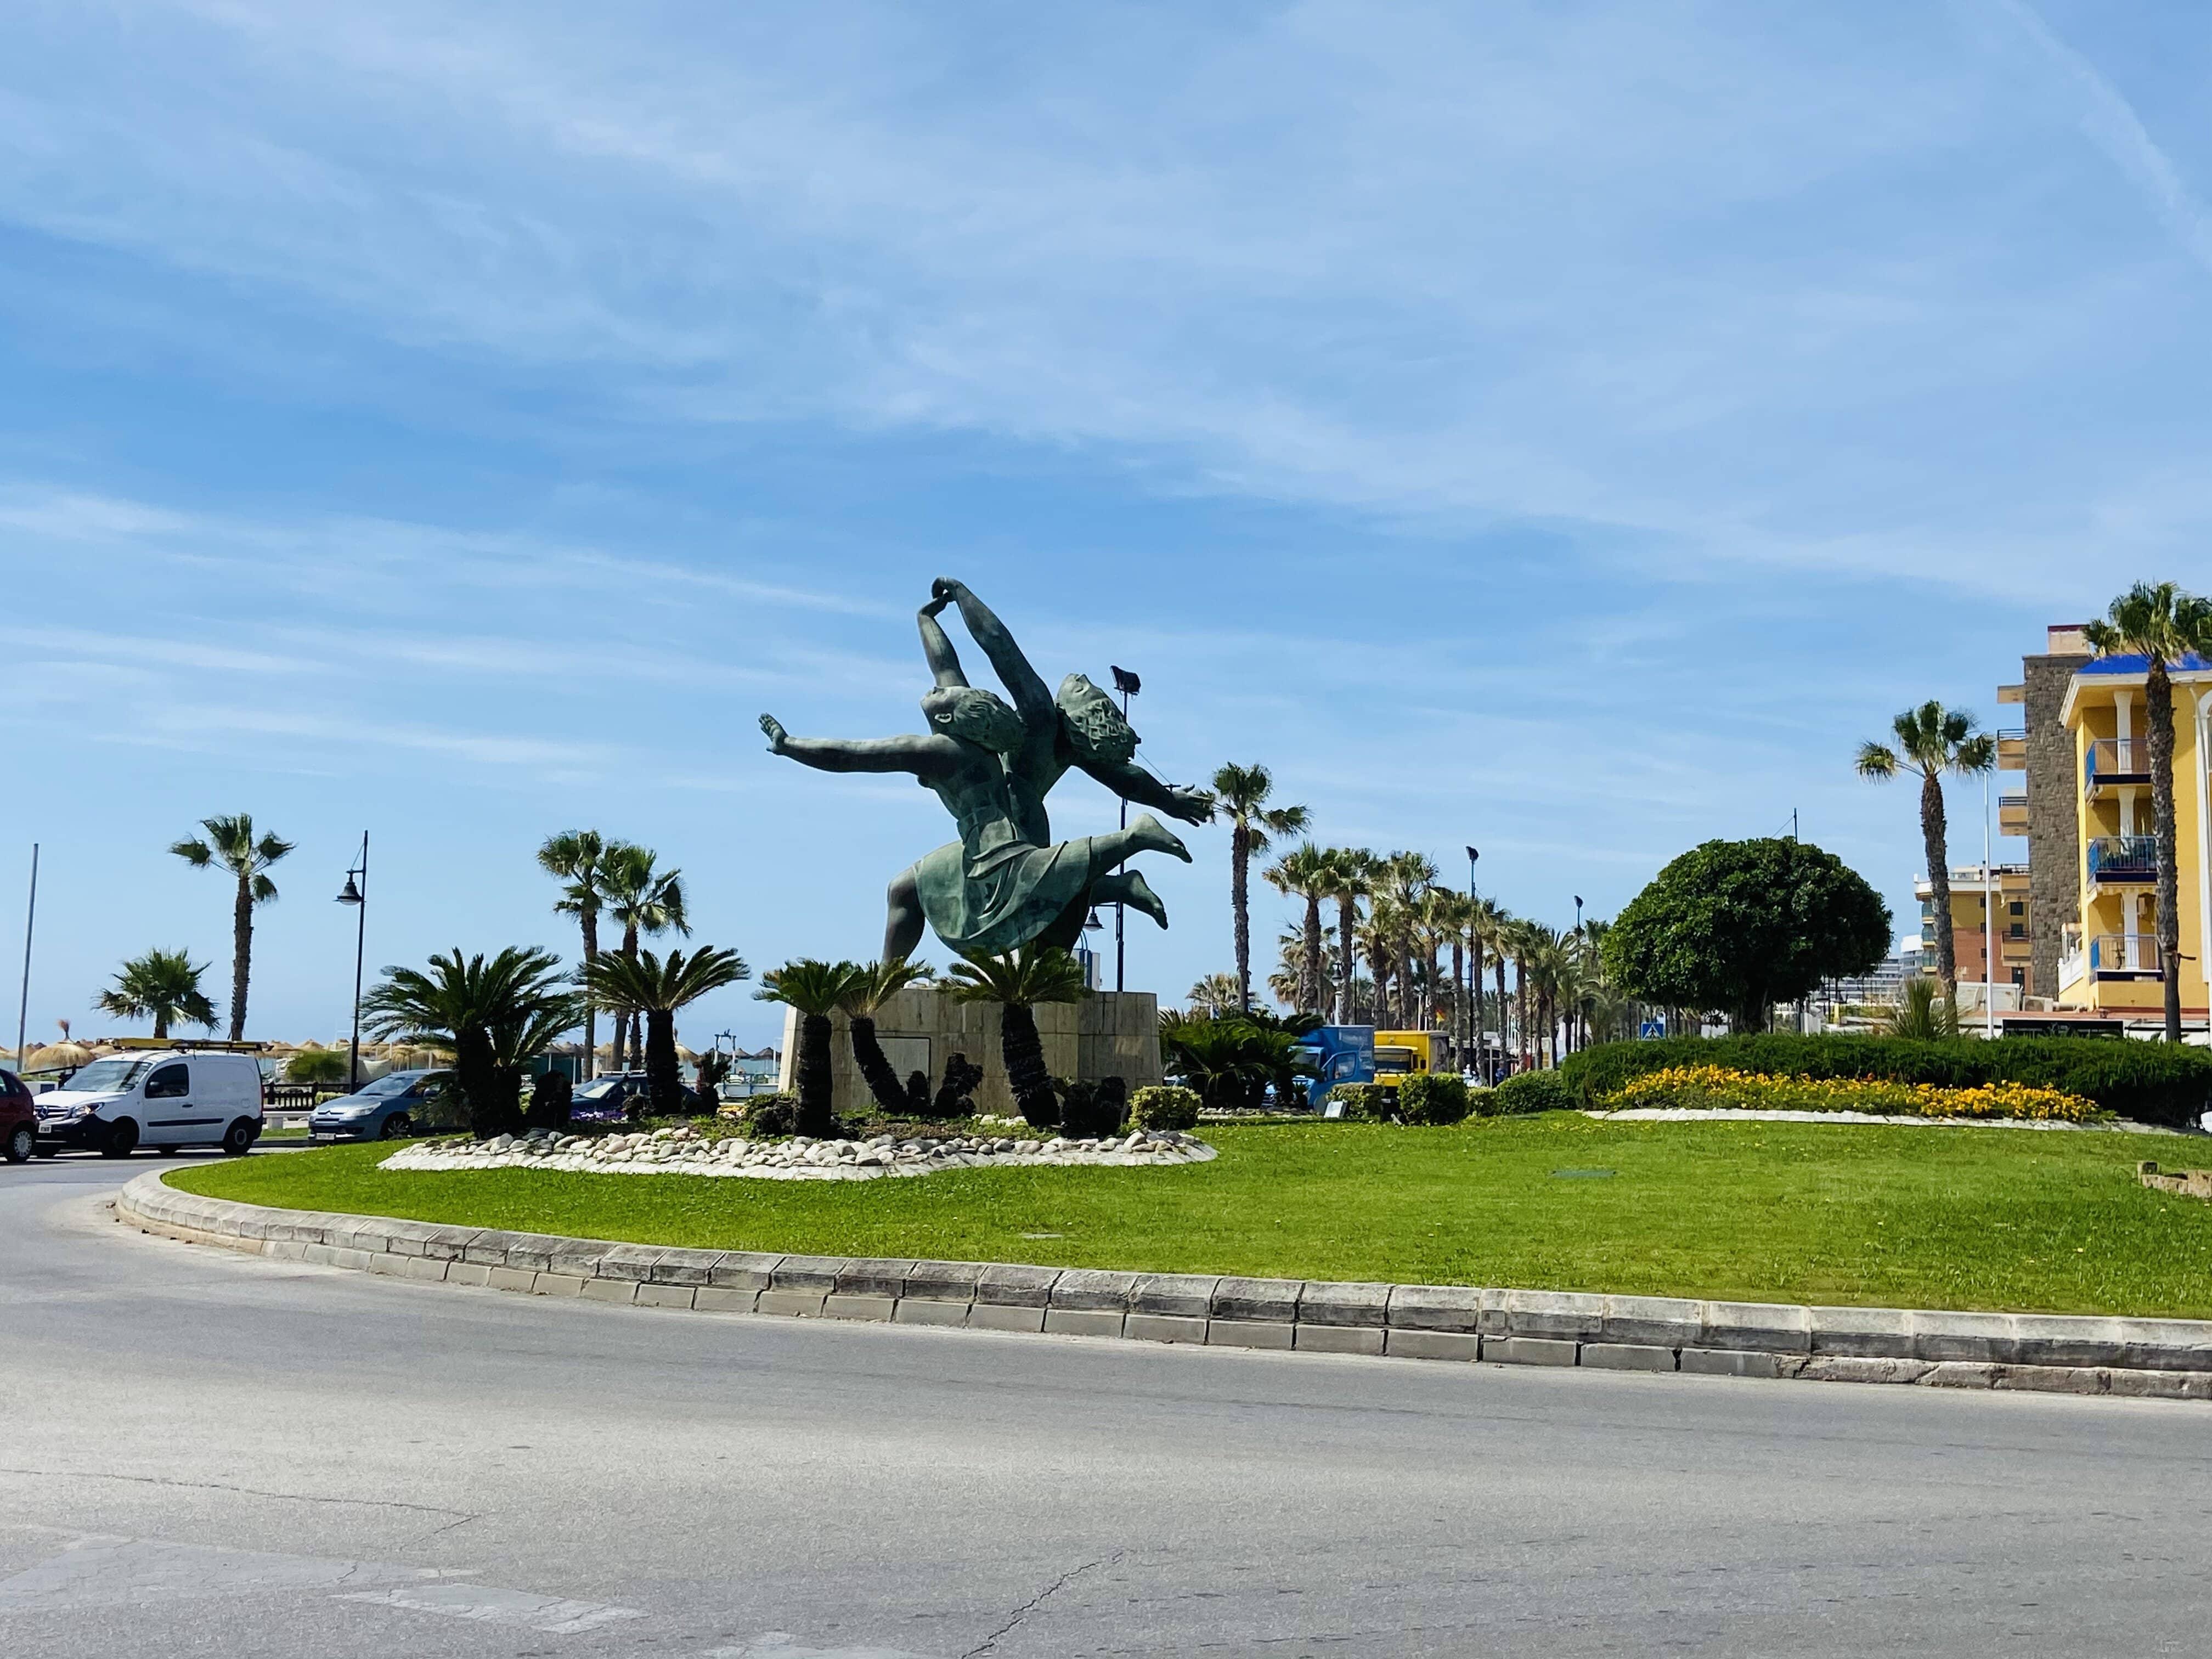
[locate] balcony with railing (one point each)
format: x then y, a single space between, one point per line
2012 749
2012 815
2113 761
2124 861
2073 959
2125 956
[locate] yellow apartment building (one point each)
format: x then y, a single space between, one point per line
2109 959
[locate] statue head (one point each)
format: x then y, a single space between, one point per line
1094 725
970 712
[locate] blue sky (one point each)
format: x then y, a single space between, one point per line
1567 428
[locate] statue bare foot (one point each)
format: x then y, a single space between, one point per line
776 734
1149 834
1137 893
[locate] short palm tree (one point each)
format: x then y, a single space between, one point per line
492 1014
1932 740
1214 995
578 858
162 986
660 988
2159 622
1017 982
875 984
813 989
644 900
1240 795
230 843
1920 1013
1305 873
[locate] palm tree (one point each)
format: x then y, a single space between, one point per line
1484 919
813 988
644 900
230 843
1305 873
1405 880
1017 982
875 984
1350 880
1214 995
493 1016
160 986
2159 622
661 988
578 859
1932 740
1240 795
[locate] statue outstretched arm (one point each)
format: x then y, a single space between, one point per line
925 757
1032 698
937 648
1133 782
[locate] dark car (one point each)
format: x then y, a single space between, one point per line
18 1123
395 1106
613 1097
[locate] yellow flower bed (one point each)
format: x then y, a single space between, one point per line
1710 1088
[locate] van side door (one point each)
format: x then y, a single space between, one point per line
166 1101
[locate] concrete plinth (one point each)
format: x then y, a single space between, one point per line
1108 1034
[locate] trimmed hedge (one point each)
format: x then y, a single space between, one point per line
1165 1106
2146 1082
1531 1091
1432 1097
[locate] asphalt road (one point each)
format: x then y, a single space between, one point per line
210 1454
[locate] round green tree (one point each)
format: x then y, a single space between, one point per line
1743 925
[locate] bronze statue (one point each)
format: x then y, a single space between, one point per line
1006 884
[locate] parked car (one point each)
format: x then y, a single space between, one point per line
19 1120
165 1101
611 1098
395 1106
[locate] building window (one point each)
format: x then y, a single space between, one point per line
2019 908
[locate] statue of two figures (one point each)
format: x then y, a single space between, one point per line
1006 884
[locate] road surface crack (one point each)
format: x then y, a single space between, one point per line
246 1492
1036 1602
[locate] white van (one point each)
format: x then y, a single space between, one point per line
188 1098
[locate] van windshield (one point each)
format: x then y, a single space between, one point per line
106 1077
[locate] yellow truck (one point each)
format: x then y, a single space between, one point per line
1397 1053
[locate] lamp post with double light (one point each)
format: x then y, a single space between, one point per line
355 893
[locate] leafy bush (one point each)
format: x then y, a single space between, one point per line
1091 1111
1165 1106
955 1096
1432 1097
1366 1102
316 1065
771 1114
1708 1087
2147 1082
1532 1091
550 1096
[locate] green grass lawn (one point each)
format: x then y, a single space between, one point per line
1947 1218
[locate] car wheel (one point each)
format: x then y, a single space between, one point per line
238 1140
396 1128
21 1143
122 1140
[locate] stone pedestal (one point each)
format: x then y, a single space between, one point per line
1108 1034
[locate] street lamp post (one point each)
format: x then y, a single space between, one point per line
1474 985
1128 685
357 895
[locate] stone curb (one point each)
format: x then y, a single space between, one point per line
2140 1358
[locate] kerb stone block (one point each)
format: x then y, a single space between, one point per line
1436 1308
1163 1327
1339 1339
1344 1303
1402 1344
1083 1321
1627 1357
1528 1351
1249 1333
1257 1301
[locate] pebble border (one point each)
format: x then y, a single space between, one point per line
2141 1359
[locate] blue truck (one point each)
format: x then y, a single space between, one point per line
1338 1054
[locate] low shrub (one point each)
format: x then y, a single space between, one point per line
1708 1087
1165 1106
1091 1111
2148 1082
1365 1102
771 1114
1432 1097
1531 1091
550 1096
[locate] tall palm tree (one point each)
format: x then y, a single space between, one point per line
493 1014
161 986
231 843
1017 982
814 988
1483 920
875 984
578 859
661 988
1501 924
1305 873
1406 879
1932 740
2161 623
1350 879
643 899
1240 795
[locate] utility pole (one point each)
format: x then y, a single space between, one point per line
23 1005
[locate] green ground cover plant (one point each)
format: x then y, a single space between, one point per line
1709 1088
2145 1082
1954 1216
